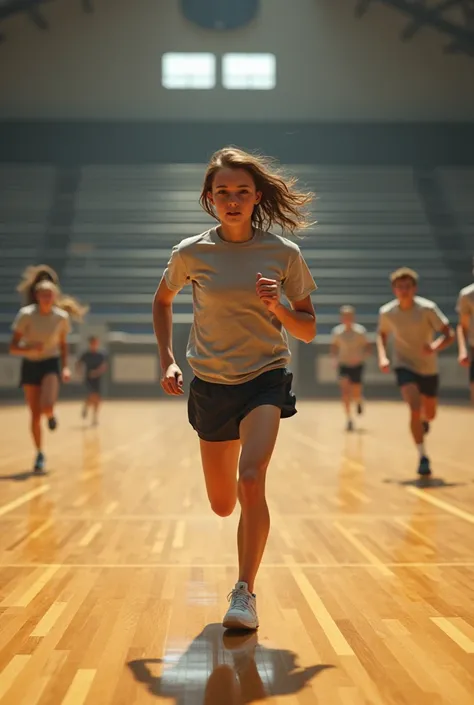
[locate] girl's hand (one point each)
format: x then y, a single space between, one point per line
268 290
66 374
172 380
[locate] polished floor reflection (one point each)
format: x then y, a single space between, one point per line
220 668
114 573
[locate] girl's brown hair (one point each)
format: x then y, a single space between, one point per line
34 275
404 273
281 203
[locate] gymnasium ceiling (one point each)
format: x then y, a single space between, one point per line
452 18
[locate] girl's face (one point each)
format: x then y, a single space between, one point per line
347 319
405 289
234 196
45 298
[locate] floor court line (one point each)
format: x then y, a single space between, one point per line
375 562
264 566
441 504
210 517
23 499
333 634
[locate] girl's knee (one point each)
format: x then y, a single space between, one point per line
251 485
223 507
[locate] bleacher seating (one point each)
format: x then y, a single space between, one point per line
369 220
26 193
458 186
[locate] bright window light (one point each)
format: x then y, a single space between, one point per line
249 71
188 71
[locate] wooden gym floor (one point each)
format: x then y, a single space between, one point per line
114 573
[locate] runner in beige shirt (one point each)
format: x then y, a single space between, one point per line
40 337
412 322
350 348
465 332
238 347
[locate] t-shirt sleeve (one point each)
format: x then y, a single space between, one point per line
175 274
437 318
20 323
464 305
298 283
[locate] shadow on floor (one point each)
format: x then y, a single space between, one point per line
23 476
224 668
428 483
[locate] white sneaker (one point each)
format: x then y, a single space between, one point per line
242 613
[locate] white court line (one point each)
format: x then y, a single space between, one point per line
333 634
441 504
23 499
376 562
270 566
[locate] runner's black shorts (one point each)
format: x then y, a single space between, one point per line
216 410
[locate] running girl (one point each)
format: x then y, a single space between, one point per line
238 347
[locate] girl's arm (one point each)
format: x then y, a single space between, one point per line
300 320
462 332
64 351
445 339
172 377
17 349
384 362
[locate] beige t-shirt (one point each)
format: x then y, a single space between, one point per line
466 307
351 344
411 330
234 338
38 328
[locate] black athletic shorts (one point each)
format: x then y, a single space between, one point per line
427 384
33 371
353 374
216 410
93 385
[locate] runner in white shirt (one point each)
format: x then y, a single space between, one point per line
412 322
350 347
465 332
